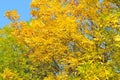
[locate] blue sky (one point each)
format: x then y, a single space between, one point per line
22 6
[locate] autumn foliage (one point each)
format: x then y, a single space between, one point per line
64 40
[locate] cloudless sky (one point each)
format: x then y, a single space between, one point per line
22 6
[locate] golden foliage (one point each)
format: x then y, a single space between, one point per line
69 38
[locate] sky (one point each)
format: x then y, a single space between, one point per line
22 6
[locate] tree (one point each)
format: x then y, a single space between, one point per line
71 39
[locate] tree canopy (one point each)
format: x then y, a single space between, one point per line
64 40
